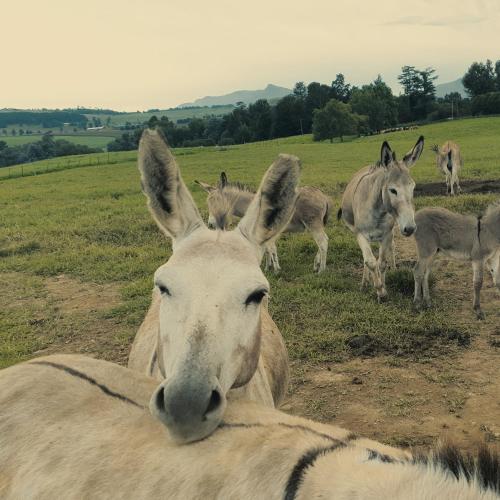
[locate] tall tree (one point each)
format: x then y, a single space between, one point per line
419 92
480 78
261 120
340 90
288 114
334 120
377 103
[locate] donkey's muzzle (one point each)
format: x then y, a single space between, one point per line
191 409
408 230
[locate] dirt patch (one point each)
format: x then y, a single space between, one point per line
73 296
468 186
409 403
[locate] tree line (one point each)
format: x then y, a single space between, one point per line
335 110
43 149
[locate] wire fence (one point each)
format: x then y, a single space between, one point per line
66 163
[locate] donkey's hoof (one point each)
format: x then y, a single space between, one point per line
480 315
382 297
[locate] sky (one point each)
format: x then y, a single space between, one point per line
141 54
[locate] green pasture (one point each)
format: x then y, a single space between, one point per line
139 117
89 221
86 140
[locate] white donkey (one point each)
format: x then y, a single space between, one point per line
462 237
311 214
449 162
375 198
77 428
208 331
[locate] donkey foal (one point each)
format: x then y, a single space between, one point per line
461 237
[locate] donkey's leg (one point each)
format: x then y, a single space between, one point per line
425 287
391 253
321 239
366 276
372 264
418 276
457 182
449 188
386 252
274 256
477 269
421 273
268 257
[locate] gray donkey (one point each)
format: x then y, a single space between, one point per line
462 237
311 213
375 198
449 161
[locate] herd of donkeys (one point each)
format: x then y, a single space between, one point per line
194 416
376 198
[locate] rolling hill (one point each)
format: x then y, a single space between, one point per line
247 96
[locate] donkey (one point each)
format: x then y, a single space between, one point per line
97 439
462 237
208 330
311 214
449 162
375 198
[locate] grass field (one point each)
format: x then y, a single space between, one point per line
86 140
82 231
175 114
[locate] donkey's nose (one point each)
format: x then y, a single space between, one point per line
214 403
190 408
409 230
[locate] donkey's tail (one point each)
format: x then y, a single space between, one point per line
339 214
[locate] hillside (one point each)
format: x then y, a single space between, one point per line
447 88
247 96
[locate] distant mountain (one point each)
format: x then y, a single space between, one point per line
447 88
246 96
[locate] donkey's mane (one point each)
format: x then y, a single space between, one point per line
483 467
239 186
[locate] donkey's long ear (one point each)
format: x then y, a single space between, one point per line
414 154
274 203
223 180
169 200
386 155
206 187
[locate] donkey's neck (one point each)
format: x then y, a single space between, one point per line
240 200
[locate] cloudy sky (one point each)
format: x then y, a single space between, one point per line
140 54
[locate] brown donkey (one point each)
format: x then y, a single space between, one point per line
311 214
449 162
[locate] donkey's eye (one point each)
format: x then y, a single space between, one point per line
163 289
393 191
256 297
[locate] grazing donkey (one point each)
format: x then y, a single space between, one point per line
375 198
449 161
311 214
78 428
462 237
208 330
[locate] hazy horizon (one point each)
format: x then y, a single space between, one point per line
146 54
